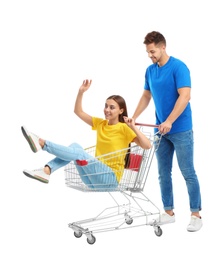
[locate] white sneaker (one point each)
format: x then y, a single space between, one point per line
166 219
37 174
195 224
32 139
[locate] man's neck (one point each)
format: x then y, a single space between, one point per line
164 60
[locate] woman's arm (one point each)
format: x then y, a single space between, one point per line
78 110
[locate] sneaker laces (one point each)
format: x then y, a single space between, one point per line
34 135
38 170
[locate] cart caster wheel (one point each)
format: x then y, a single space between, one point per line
92 240
129 221
158 231
77 234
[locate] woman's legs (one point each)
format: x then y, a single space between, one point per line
95 174
100 175
64 156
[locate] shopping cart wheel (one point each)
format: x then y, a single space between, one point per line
77 234
158 231
129 221
91 240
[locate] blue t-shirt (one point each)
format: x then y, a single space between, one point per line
163 83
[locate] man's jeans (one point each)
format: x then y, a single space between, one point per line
182 144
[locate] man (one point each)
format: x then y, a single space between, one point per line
168 82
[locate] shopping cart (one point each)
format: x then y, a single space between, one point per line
137 209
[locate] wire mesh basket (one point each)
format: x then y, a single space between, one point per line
133 176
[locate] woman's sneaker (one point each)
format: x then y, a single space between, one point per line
37 174
195 224
32 139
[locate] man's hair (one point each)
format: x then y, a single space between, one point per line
154 37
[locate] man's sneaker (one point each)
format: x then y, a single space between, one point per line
195 224
38 174
166 219
32 139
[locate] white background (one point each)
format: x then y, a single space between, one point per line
47 48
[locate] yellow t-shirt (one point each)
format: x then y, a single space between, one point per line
112 138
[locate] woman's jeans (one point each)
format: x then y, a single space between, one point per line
182 144
95 175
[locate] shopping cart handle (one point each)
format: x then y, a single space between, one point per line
150 125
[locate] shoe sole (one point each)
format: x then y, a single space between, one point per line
194 230
29 140
159 223
166 222
35 177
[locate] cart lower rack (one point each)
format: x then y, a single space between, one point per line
136 210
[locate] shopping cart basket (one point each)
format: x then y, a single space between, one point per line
137 209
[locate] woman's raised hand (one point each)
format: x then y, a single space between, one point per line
85 85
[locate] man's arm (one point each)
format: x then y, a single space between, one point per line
180 105
143 103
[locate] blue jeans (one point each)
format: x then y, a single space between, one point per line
182 144
94 174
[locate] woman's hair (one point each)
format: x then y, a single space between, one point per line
122 105
154 37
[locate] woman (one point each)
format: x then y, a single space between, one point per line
114 133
